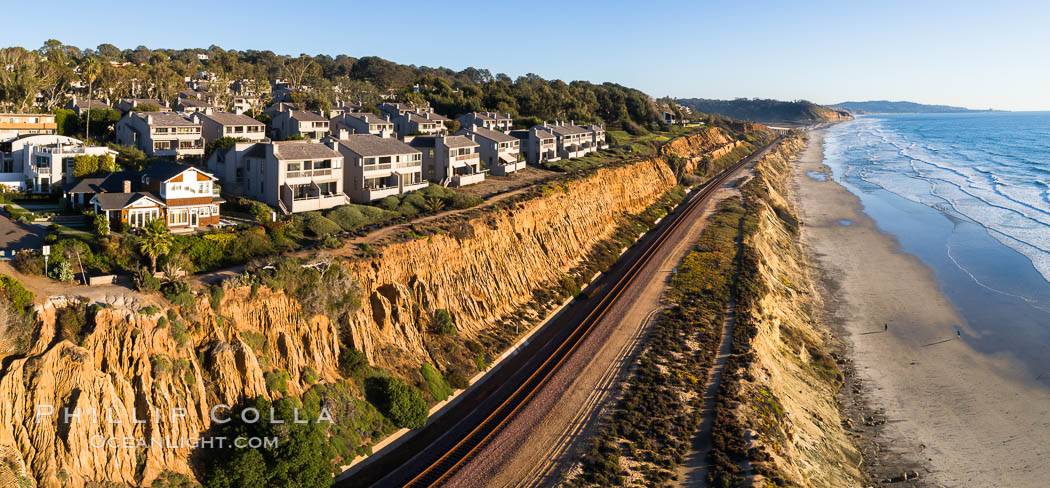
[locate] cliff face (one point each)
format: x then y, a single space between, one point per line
156 376
136 376
489 271
785 395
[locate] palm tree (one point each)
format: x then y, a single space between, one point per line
90 70
156 240
435 204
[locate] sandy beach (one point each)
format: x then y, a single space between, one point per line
966 418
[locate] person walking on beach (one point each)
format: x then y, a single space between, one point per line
958 333
885 327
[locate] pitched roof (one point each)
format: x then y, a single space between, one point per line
112 182
370 145
492 135
542 134
369 118
227 118
193 102
116 201
166 170
459 141
166 119
296 150
306 115
565 130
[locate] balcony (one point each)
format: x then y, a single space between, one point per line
380 193
467 179
308 173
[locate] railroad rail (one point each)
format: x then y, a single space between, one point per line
445 466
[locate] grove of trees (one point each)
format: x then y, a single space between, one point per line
45 78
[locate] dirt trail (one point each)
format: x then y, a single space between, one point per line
693 470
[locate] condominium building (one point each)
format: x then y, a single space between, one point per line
500 153
14 125
161 134
224 124
378 167
292 176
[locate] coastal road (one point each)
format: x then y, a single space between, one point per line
471 446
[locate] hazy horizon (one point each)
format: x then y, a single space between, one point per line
960 53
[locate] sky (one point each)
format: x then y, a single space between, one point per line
972 54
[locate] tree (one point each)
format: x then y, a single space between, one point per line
401 402
129 157
156 241
301 458
87 165
89 71
101 224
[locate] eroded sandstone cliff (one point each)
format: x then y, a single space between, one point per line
781 421
138 373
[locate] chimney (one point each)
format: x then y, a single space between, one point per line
343 134
331 143
127 186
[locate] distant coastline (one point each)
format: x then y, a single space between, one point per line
874 107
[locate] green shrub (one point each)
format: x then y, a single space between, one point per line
353 217
402 403
320 226
179 332
215 297
29 262
14 292
144 280
443 322
150 310
277 381
71 322
436 382
309 376
353 363
62 271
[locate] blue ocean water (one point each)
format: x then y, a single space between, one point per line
969 194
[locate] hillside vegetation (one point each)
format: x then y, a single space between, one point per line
766 110
888 107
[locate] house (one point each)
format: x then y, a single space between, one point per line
500 153
224 124
80 106
572 141
597 137
340 108
41 163
125 105
487 120
81 191
184 196
189 195
378 167
192 105
362 123
394 109
419 124
288 123
243 103
279 107
539 145
670 118
161 134
14 125
450 160
292 176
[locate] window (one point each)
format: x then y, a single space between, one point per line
326 164
294 167
328 188
178 217
205 211
43 162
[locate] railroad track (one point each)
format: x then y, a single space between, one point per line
439 471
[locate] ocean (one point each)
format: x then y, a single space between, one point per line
969 195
